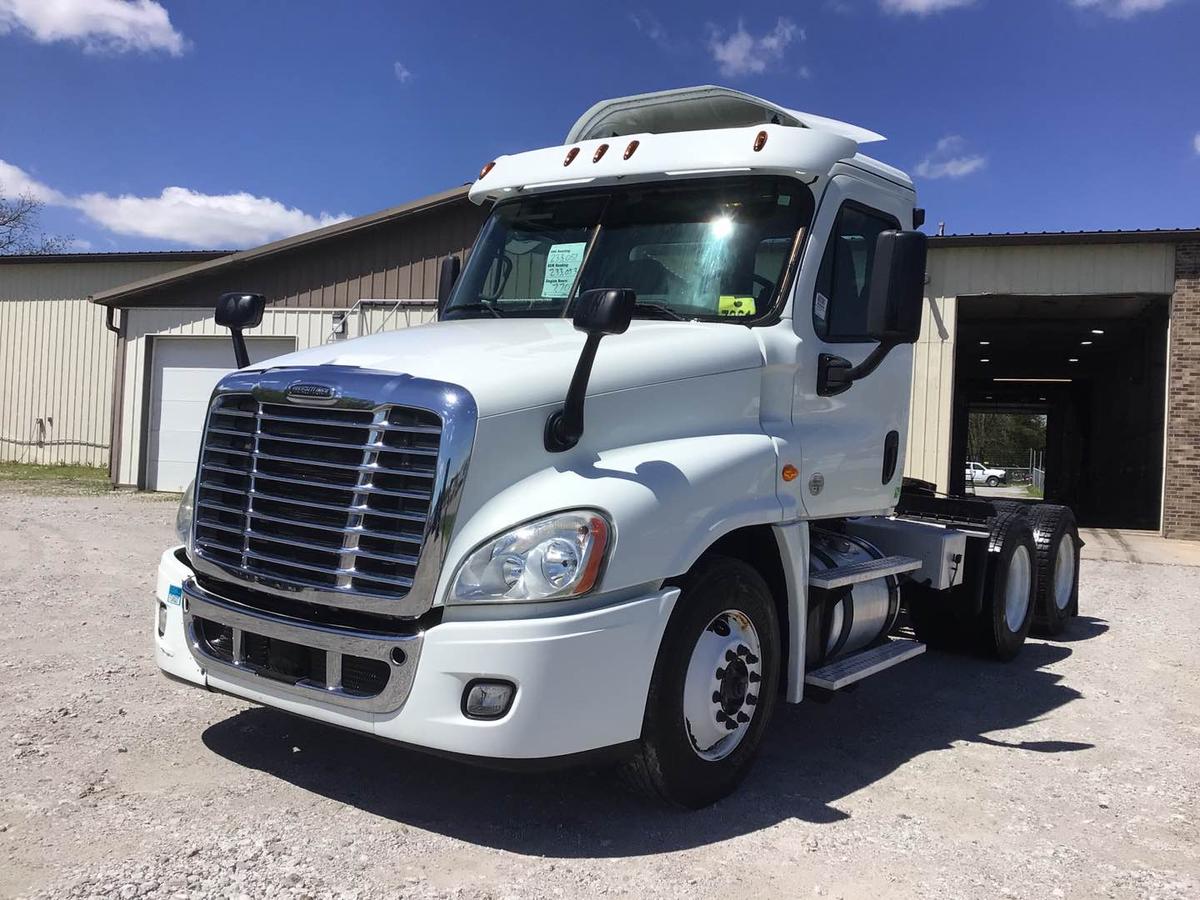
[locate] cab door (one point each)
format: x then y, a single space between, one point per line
852 444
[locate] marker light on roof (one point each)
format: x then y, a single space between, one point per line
760 141
629 150
571 154
1097 331
599 154
487 168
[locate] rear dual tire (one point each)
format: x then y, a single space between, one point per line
1056 537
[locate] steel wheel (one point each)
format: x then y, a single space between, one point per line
721 688
1064 572
1017 588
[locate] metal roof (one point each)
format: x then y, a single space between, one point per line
1028 238
113 256
114 296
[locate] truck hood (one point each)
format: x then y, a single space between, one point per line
510 364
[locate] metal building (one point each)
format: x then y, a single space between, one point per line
1099 331
56 356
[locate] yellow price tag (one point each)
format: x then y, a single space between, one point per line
730 305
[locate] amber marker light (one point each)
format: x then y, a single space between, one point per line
760 141
599 154
571 154
631 149
487 168
790 472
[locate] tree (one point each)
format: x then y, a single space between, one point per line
20 231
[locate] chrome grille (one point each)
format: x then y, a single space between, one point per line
304 497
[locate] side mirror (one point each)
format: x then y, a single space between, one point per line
597 313
893 308
604 311
237 311
448 275
897 287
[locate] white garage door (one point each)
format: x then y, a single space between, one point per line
185 371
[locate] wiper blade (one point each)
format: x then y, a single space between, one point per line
663 312
475 307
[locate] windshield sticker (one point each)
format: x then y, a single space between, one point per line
562 265
822 306
728 305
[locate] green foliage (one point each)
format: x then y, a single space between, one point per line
993 435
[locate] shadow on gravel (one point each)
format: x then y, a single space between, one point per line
1083 628
813 756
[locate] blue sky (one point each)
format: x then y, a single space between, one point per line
148 125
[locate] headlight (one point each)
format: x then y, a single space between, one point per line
547 559
187 508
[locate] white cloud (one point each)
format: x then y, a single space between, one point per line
16 182
203 220
403 75
947 160
99 26
178 214
922 7
741 53
1121 9
649 25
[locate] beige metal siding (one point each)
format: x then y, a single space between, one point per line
55 281
1050 270
56 367
56 358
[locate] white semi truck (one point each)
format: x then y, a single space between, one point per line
641 481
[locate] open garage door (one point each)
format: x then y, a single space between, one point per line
184 371
1095 369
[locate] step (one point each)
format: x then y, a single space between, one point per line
856 573
858 666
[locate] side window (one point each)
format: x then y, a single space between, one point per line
843 282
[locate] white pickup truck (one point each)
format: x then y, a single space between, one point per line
640 483
978 473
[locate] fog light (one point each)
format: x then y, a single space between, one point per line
162 619
487 699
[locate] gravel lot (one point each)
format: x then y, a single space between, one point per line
1074 772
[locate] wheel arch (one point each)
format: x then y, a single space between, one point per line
780 554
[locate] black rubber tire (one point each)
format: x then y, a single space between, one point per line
996 639
1050 523
992 481
666 766
1003 507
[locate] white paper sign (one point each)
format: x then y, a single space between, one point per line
562 265
822 306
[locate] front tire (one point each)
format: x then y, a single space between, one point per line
714 687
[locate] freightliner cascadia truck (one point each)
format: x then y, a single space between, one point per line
640 483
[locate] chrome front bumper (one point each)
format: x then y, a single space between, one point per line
400 653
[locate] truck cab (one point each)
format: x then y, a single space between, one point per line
640 482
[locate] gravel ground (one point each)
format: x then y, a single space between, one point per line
1074 772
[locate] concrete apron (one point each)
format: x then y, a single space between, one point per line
1119 545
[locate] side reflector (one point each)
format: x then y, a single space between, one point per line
790 472
600 151
571 154
760 141
629 151
487 168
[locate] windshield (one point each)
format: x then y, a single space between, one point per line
713 250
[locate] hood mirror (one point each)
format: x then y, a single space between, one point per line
237 311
